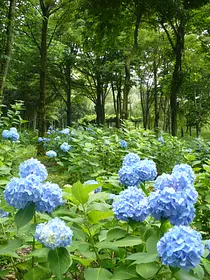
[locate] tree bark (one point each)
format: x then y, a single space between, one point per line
6 57
126 90
68 95
156 122
100 103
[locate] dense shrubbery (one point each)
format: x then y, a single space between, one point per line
118 224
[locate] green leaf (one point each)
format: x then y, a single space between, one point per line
124 242
4 206
81 192
140 258
206 167
199 272
59 261
206 265
103 207
96 216
147 270
24 216
115 233
36 273
124 272
40 253
10 247
97 274
184 275
4 273
151 244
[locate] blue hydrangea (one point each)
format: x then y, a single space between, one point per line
65 131
65 147
54 234
131 159
21 191
130 204
128 175
3 214
11 134
44 139
185 168
123 144
163 181
50 198
51 153
33 166
181 247
207 246
57 138
147 170
40 139
93 182
167 203
161 140
6 134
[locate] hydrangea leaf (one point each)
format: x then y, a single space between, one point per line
59 261
140 258
199 272
124 272
24 216
206 265
184 275
115 233
81 192
97 274
124 242
96 216
147 270
35 273
10 247
151 244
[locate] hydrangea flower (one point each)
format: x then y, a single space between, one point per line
40 139
54 234
33 166
167 203
93 182
51 153
57 138
21 191
207 246
161 140
181 247
185 168
65 131
147 170
123 144
131 159
65 147
50 198
128 175
11 134
130 204
3 214
163 181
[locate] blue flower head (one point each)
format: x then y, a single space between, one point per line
161 140
54 234
11 134
181 247
123 144
65 147
50 198
93 182
185 168
130 204
167 203
164 181
147 170
51 154
40 139
33 166
65 131
131 159
6 134
128 175
207 246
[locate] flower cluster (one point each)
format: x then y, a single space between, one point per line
207 246
181 247
93 182
130 204
43 139
51 154
65 131
65 147
54 234
134 171
174 196
11 134
161 140
123 144
29 188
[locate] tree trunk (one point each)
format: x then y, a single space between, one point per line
126 89
6 57
68 95
177 75
156 122
100 112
